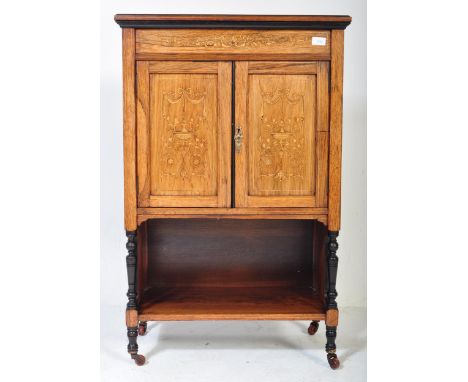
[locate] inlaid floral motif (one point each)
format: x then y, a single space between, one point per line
281 138
241 40
185 148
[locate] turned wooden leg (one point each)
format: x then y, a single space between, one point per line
131 269
142 328
132 320
332 263
330 347
313 327
132 333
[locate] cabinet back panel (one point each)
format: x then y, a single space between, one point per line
229 252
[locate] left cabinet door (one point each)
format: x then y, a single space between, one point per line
183 133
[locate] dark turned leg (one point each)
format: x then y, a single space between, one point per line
313 327
142 328
132 333
330 347
332 265
132 328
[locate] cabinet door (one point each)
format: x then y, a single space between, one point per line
282 151
184 134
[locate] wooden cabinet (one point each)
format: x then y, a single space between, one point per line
232 160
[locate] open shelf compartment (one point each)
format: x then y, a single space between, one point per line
227 269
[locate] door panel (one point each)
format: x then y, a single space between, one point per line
282 110
183 134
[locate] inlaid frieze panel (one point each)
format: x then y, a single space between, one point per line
233 42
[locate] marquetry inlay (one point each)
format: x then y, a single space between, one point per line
235 40
185 148
230 43
281 140
282 113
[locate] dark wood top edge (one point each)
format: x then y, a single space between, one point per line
232 17
233 21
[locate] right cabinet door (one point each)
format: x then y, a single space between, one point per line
281 134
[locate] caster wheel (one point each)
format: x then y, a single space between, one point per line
142 329
313 327
333 361
139 359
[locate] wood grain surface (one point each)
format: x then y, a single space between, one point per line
283 152
331 318
262 255
131 317
129 129
184 124
336 110
226 252
199 42
249 213
167 304
310 18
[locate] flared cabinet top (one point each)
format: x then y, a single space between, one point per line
302 22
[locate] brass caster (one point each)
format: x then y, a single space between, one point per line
142 328
333 361
314 325
139 359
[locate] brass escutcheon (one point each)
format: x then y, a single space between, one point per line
238 138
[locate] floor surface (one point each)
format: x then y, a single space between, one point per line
240 351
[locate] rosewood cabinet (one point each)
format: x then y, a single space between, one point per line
232 161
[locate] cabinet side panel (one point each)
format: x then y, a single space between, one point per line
323 110
129 139
336 110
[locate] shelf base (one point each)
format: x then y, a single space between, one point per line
235 303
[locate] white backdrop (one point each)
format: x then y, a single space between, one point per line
351 284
